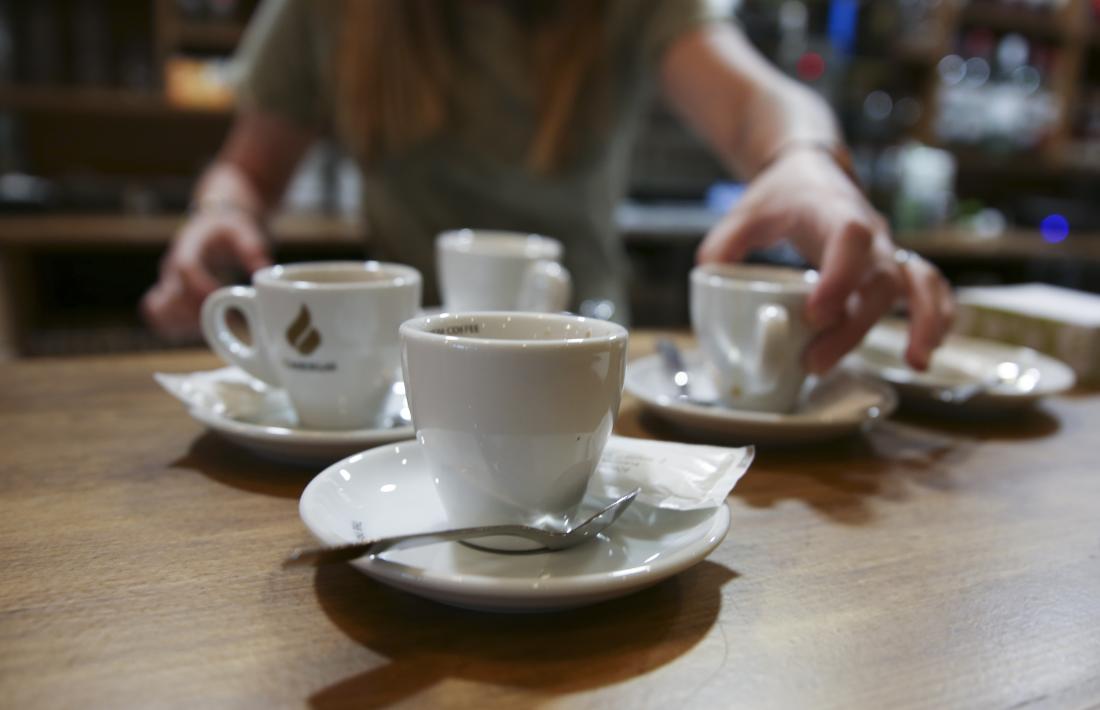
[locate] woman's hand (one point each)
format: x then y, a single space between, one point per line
806 198
746 110
224 237
211 247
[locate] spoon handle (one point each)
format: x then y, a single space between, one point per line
960 394
345 553
674 365
547 539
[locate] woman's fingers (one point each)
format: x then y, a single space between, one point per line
931 308
208 248
863 307
250 246
229 244
727 241
190 261
845 260
743 229
169 312
806 198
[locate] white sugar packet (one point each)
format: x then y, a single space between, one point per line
232 393
671 475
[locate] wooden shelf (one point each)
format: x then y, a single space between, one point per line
1007 18
921 53
63 99
75 231
1082 156
83 339
218 36
1074 159
1014 244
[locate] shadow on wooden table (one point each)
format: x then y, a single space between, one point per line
1027 423
1033 423
546 654
233 466
842 478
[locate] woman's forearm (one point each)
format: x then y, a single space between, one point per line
787 117
254 166
224 186
745 109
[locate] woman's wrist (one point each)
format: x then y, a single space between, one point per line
226 190
833 149
224 205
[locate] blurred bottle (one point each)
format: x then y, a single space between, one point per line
1090 125
7 43
191 9
200 82
1087 151
794 26
91 49
43 50
215 10
925 196
1041 7
993 93
135 65
223 10
10 157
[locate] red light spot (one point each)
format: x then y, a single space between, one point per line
810 66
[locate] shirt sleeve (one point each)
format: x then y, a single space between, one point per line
667 20
283 63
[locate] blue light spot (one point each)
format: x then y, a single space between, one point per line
1054 228
843 25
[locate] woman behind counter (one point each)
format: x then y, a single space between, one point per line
519 114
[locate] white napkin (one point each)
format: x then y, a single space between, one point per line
671 475
231 393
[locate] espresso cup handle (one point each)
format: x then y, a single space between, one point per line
230 348
773 330
546 288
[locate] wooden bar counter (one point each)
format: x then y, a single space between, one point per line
929 564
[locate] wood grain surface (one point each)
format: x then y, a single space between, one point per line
931 564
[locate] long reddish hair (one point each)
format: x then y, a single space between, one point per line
396 56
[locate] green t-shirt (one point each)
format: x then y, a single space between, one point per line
473 172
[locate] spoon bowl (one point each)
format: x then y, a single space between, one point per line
948 384
672 360
546 539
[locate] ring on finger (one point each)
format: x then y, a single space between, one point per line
903 257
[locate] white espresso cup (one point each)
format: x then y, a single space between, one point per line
327 332
750 324
483 270
512 409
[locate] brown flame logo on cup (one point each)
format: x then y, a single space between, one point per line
301 334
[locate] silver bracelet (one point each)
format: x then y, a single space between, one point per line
219 205
902 257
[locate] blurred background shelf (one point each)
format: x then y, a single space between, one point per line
964 117
1052 23
143 231
1014 245
71 283
98 100
214 36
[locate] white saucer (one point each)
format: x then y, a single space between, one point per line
837 405
389 491
259 418
959 362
